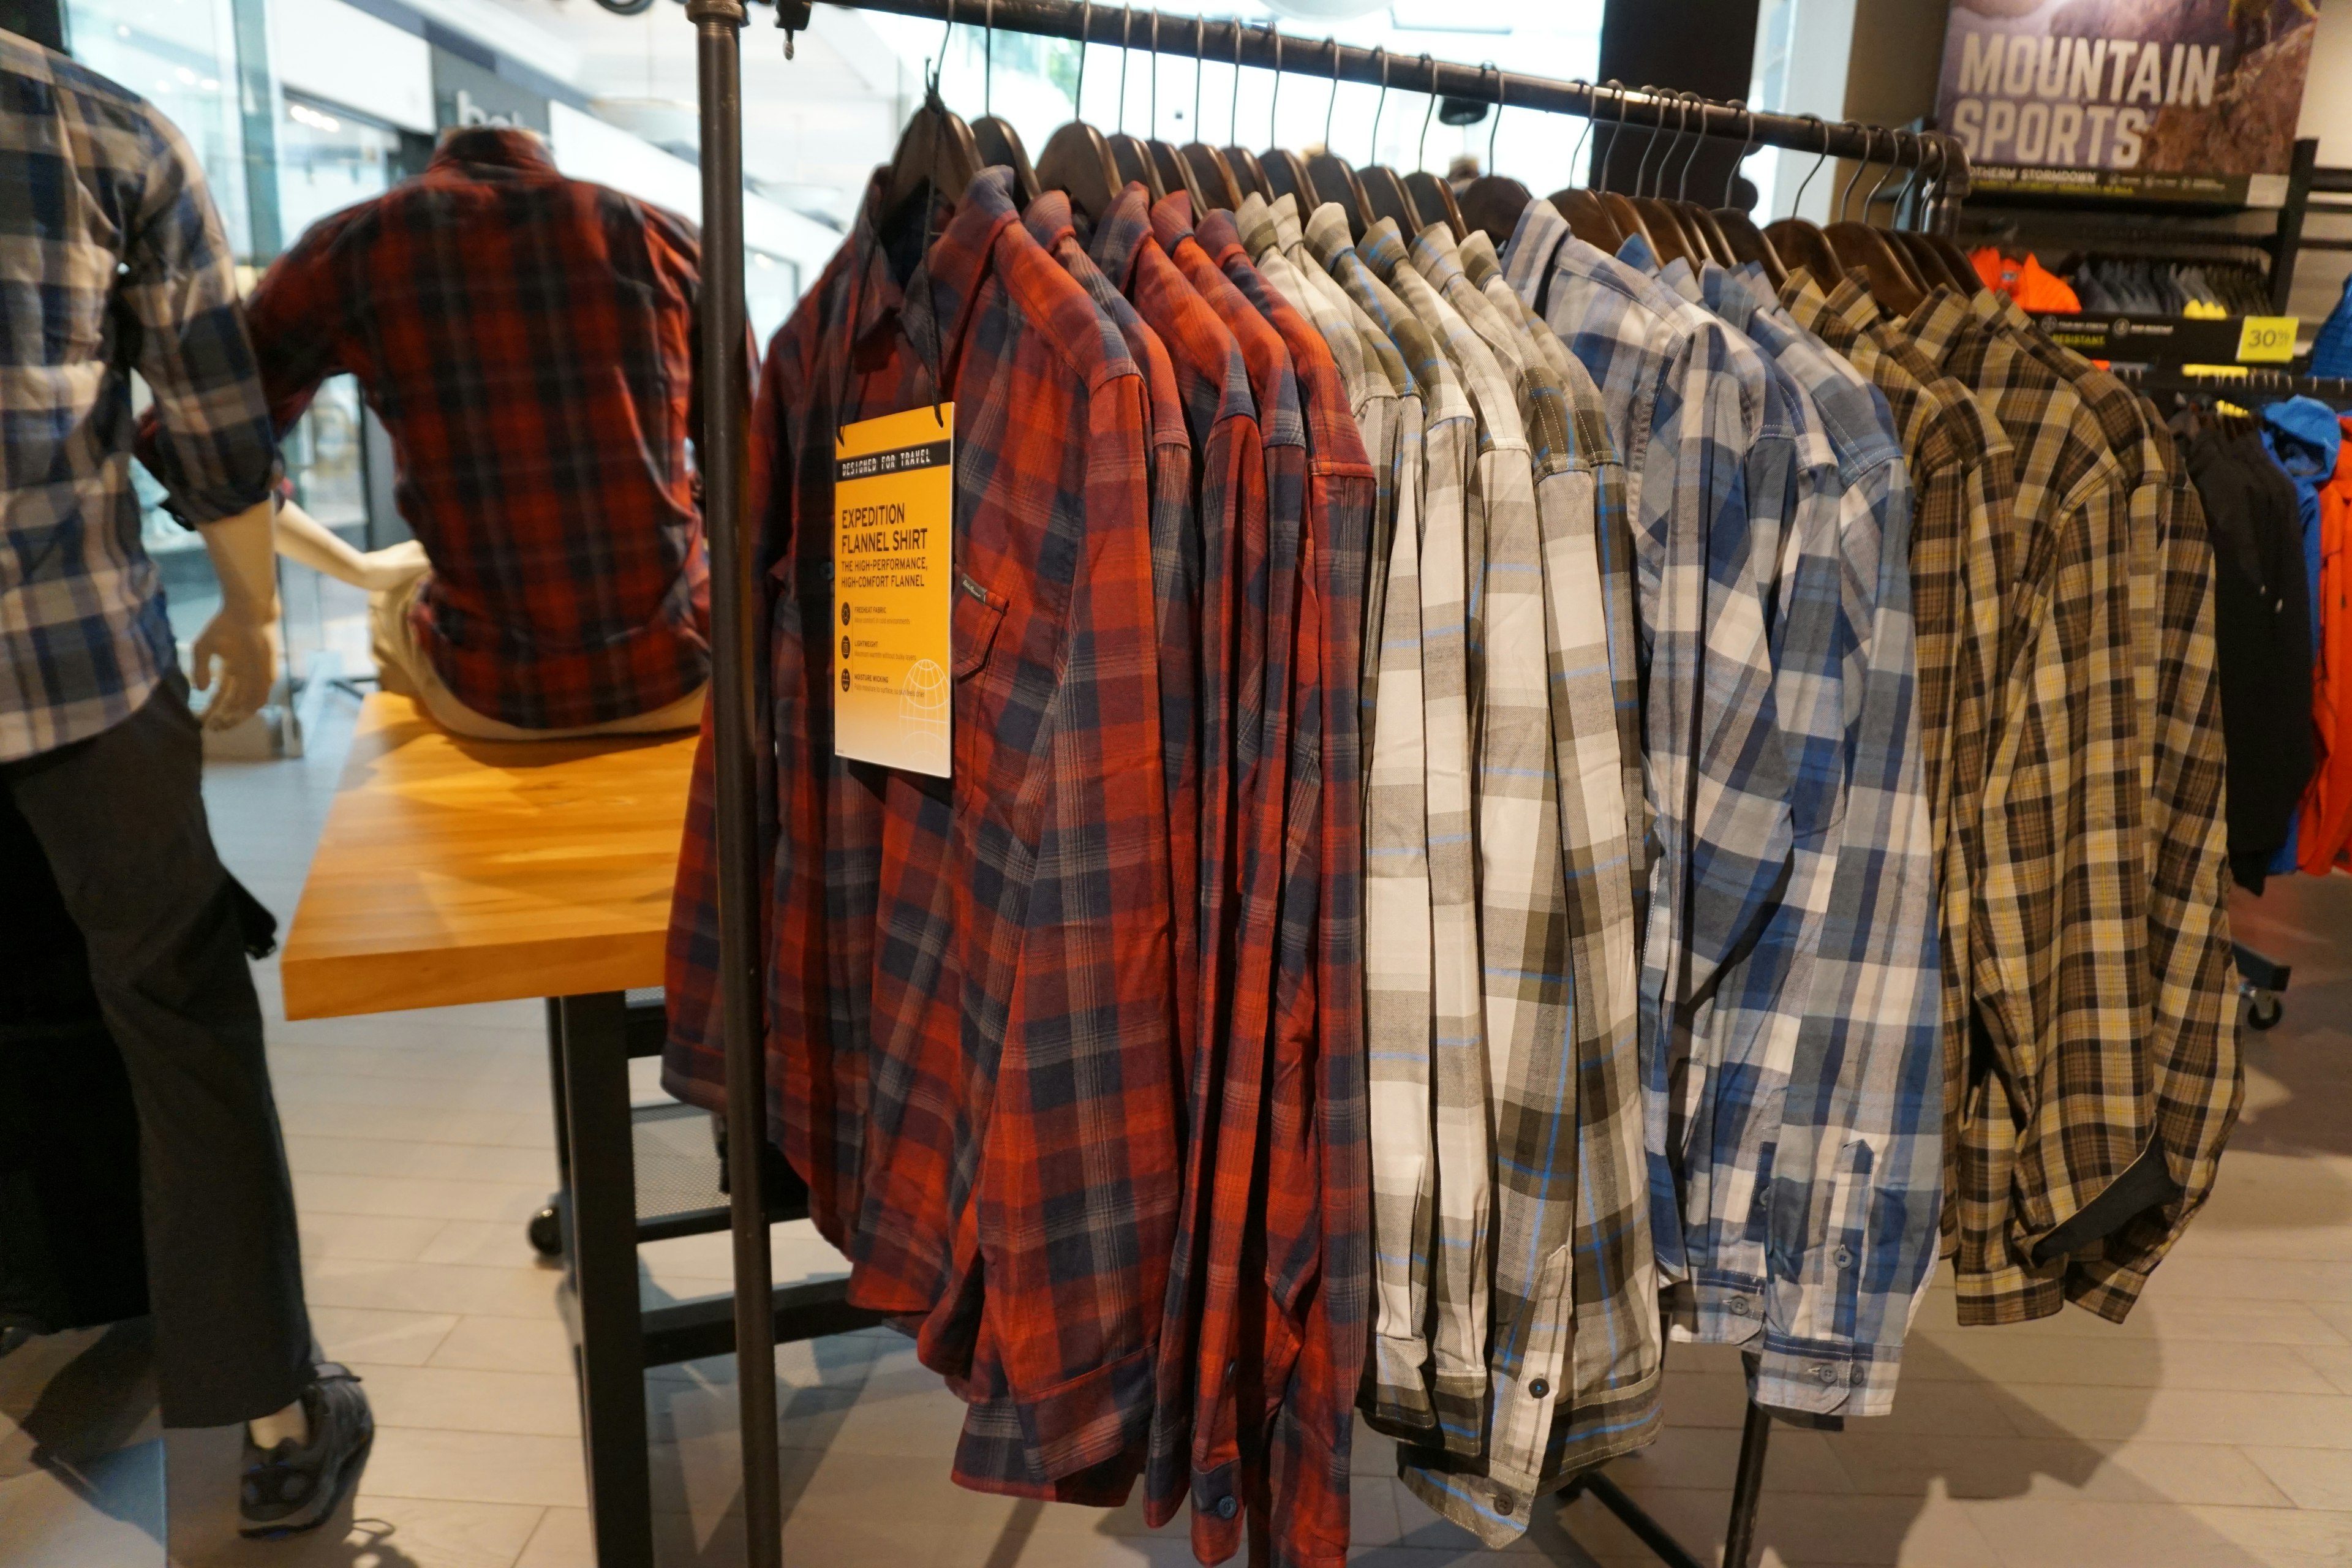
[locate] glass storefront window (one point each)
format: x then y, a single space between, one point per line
181 56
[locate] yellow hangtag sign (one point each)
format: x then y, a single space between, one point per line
893 550
2267 340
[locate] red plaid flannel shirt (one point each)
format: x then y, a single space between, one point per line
1008 949
1319 1261
1233 1190
1221 411
530 343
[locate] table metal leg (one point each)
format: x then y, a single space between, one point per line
594 1084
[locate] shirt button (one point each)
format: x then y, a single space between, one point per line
1504 1502
1538 1389
1845 1258
1227 1507
1740 1306
828 571
1827 1374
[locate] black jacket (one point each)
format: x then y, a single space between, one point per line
2262 625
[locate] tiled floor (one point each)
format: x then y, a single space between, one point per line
2213 1430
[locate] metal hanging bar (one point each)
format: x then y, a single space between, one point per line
722 454
1262 47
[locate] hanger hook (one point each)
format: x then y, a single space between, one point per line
1682 185
1154 135
1747 145
1420 157
1380 108
1616 128
1126 21
1079 91
1200 44
1494 126
1590 109
946 36
1681 129
1332 106
1869 149
1642 169
1818 162
1234 113
988 58
1273 98
1896 137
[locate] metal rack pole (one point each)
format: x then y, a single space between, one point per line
1234 42
723 456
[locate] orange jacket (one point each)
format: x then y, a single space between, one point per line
2326 827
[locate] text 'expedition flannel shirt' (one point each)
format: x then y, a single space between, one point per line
530 341
111 260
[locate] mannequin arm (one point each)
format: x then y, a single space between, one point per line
243 636
305 541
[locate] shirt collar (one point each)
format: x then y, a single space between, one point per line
1256 222
1289 232
478 148
940 294
1123 232
1050 219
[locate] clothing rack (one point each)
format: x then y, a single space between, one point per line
723 383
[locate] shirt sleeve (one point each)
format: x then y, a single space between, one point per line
207 437
298 316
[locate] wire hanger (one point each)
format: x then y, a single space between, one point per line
1798 241
1077 161
1746 241
1493 203
1210 170
1175 169
1328 174
1129 152
1384 193
1588 217
1433 198
1950 262
1285 171
999 144
1240 159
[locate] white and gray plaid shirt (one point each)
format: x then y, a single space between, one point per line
111 260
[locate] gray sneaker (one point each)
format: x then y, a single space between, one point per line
292 1488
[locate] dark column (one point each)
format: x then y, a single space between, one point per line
1705 47
43 21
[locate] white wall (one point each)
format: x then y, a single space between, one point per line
341 54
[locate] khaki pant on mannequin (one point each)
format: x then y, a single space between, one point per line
392 578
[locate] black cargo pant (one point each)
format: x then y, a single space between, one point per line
121 818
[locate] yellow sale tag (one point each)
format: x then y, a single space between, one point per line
2266 338
893 546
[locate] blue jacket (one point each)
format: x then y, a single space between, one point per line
2303 436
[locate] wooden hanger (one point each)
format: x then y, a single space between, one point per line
1240 164
999 143
1798 243
1588 217
1132 158
1282 172
936 153
1331 177
1493 203
1857 244
1384 194
1077 161
1175 172
1214 176
1697 221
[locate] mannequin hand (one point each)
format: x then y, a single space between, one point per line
247 652
393 565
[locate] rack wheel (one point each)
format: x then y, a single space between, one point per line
546 1232
2264 1009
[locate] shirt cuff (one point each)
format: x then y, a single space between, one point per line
1824 1377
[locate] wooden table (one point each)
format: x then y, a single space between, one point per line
454 871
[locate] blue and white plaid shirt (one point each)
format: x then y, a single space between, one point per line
1726 491
111 260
